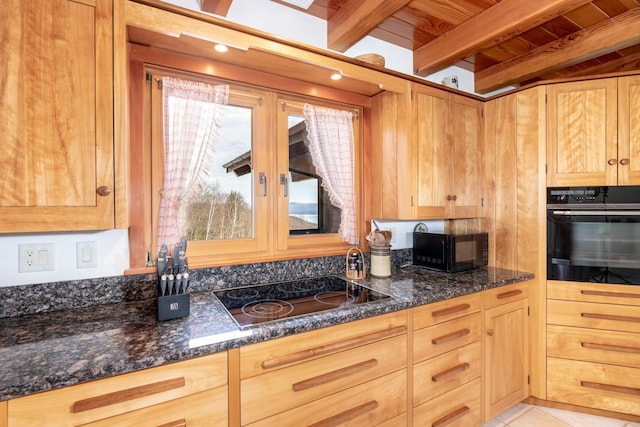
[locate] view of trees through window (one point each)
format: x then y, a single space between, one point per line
224 209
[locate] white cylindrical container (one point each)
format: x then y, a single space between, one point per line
380 261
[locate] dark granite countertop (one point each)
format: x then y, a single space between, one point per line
46 351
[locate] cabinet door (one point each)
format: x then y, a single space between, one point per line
629 130
582 133
506 356
57 169
466 124
432 150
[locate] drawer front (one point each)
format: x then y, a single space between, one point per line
381 401
589 292
441 374
443 337
280 353
594 385
443 311
105 398
613 317
505 294
458 408
205 409
594 345
305 382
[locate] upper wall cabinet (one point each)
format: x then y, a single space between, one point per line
591 138
427 150
56 71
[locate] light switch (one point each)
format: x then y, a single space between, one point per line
86 254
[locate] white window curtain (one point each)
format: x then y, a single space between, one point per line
331 144
192 113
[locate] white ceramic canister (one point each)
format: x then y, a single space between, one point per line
380 261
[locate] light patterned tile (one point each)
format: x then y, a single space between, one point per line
494 423
513 412
578 419
534 417
629 424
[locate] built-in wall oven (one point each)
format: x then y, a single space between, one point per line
593 234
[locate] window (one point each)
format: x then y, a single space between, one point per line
264 199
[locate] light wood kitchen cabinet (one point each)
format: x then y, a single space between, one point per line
447 362
427 150
57 169
506 356
3 414
448 134
353 373
515 134
629 130
592 136
172 393
592 345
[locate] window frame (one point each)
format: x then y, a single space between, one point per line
273 244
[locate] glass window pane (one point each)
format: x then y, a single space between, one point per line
310 210
223 209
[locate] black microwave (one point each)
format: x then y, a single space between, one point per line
450 252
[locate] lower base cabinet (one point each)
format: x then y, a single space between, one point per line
351 374
193 392
459 407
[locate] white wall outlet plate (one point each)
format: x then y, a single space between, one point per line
87 254
35 257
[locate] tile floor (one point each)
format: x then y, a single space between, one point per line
523 415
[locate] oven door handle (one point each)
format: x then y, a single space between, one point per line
597 213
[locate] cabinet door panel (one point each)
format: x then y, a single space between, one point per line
582 133
506 356
432 151
58 116
629 130
625 318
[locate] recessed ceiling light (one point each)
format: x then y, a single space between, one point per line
304 4
336 76
221 48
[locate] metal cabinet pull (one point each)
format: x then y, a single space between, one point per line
285 181
262 178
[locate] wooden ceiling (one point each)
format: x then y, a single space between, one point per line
504 42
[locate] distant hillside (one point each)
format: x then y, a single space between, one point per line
303 208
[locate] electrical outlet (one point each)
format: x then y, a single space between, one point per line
35 257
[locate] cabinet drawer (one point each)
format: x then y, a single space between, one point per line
624 318
505 294
380 401
276 354
441 338
117 395
436 376
594 345
442 311
305 382
205 409
588 292
458 408
595 385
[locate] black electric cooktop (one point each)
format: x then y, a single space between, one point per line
252 305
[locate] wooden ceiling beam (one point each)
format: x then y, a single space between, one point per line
217 7
356 19
617 33
494 25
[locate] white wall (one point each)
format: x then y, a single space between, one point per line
112 246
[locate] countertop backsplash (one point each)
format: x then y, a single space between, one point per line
45 297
